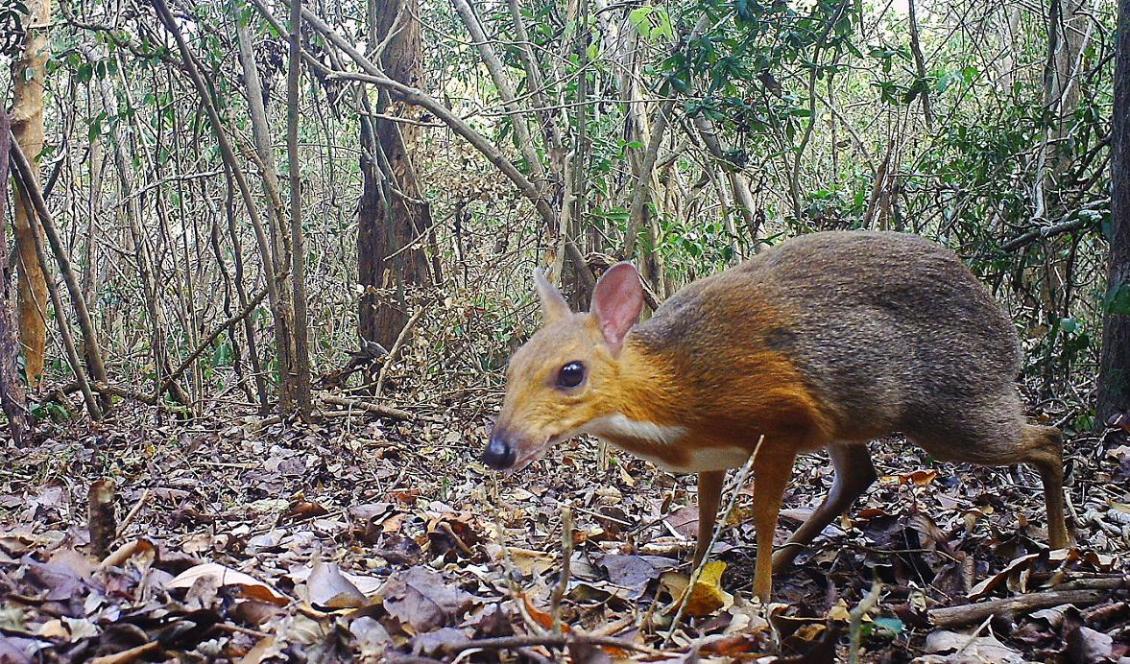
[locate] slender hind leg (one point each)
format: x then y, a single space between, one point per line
998 436
854 473
1044 451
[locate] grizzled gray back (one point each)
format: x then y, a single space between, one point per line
890 330
891 326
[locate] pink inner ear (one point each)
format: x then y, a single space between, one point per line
617 302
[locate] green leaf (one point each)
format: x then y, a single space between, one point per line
664 28
892 625
94 129
639 20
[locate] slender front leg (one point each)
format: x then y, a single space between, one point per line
772 470
709 497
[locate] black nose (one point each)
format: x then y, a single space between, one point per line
500 454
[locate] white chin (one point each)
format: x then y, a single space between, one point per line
527 459
539 452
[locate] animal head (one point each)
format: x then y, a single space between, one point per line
567 375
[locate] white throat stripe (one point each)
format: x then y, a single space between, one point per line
625 427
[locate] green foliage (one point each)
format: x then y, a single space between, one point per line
818 105
12 33
652 23
50 410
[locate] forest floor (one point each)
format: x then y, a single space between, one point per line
368 539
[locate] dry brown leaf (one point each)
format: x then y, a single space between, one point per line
425 600
956 648
542 618
262 650
327 588
224 577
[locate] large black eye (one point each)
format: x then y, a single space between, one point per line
571 375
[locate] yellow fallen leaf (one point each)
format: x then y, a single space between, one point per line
707 596
53 629
839 611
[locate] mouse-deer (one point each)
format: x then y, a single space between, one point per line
826 341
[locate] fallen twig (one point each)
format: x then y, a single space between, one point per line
856 619
127 655
974 636
954 616
395 350
549 640
508 564
567 555
369 407
459 543
133 512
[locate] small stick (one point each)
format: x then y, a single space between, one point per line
133 512
740 482
395 350
856 619
127 655
100 517
567 555
379 409
550 640
973 637
459 543
515 592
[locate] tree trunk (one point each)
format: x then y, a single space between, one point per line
12 396
301 364
1068 31
1114 371
28 73
146 265
282 322
391 214
295 372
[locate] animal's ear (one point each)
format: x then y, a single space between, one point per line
617 302
553 304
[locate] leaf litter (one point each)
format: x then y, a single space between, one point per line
361 539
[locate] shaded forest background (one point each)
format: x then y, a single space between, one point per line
210 250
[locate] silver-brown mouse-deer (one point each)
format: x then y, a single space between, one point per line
826 341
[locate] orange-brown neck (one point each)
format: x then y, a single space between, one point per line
648 388
721 399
